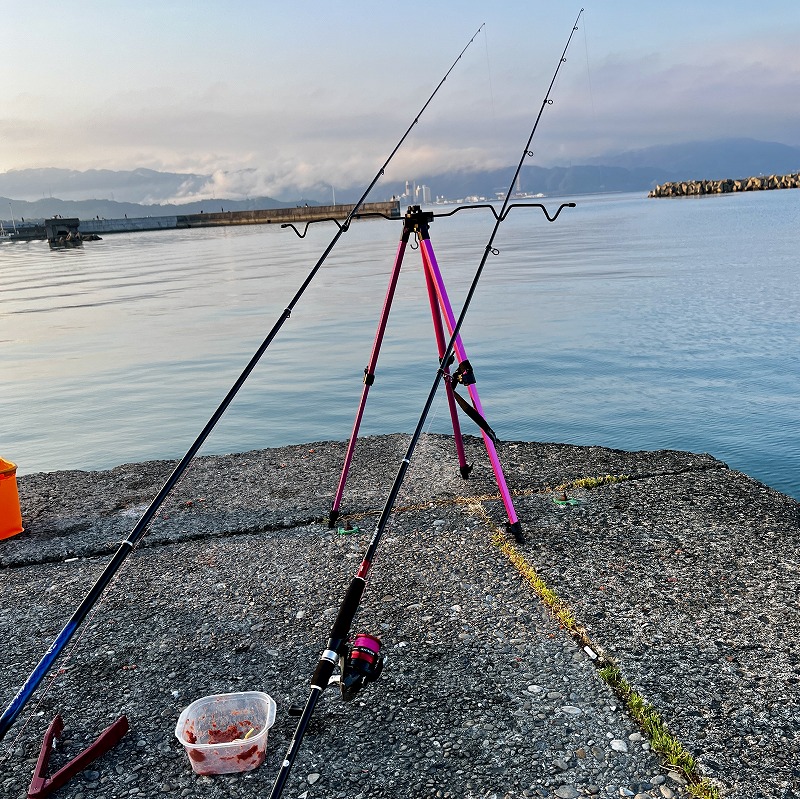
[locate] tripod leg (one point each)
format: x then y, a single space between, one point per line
369 374
441 343
429 259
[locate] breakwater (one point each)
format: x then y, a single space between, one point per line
272 216
693 188
296 215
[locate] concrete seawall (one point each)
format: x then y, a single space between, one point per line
262 217
693 188
680 572
128 225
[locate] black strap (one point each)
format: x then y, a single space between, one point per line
475 416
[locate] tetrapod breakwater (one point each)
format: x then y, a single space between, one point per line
692 188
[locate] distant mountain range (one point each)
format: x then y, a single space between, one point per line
711 160
41 193
25 211
634 170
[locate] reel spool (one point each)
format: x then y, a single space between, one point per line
362 664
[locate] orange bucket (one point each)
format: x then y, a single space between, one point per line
10 515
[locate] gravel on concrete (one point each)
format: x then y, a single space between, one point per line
685 574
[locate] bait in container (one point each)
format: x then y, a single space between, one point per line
226 733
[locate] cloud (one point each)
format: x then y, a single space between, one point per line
735 90
273 137
295 178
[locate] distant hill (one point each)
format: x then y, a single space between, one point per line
146 192
533 180
634 170
110 209
710 160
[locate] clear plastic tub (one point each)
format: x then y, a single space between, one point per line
225 733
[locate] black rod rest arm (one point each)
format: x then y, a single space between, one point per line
431 215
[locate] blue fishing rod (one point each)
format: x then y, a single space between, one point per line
139 530
360 660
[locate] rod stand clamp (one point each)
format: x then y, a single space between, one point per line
464 374
43 786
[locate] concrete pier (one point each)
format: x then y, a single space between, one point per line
678 571
297 215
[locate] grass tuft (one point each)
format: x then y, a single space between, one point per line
593 482
661 739
557 606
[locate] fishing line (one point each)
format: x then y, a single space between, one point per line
589 74
54 678
69 652
438 407
36 676
489 78
360 661
424 446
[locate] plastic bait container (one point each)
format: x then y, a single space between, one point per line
226 733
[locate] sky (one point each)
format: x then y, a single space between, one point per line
265 95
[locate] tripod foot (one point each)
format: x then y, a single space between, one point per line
332 517
465 470
515 529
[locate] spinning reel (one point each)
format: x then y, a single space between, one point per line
361 663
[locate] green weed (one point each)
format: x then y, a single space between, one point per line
661 740
593 482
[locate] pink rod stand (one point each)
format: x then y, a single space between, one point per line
417 222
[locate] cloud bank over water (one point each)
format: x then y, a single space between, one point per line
282 101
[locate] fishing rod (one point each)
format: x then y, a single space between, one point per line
127 546
361 661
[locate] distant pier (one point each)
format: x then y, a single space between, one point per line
223 218
272 216
693 188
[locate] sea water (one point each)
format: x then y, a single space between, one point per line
628 322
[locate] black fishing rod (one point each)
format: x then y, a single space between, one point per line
37 675
361 661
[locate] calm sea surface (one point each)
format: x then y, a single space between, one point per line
629 323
